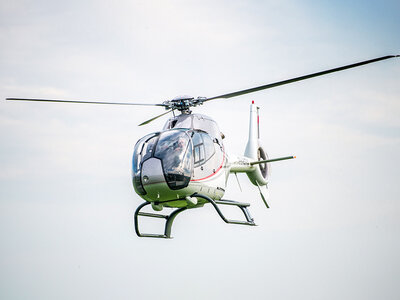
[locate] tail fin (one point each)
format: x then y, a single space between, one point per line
255 162
259 175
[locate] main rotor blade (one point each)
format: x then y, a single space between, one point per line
152 119
80 101
283 82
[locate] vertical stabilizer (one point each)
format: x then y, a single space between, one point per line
254 133
259 175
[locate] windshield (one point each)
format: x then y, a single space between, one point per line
174 149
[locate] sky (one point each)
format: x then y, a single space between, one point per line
66 197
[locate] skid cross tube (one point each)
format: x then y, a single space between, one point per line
168 224
243 206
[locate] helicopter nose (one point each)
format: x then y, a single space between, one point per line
154 181
152 172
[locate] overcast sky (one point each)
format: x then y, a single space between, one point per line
66 198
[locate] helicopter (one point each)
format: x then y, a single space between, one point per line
185 165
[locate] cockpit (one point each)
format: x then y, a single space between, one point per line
173 148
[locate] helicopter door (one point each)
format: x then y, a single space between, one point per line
203 148
205 160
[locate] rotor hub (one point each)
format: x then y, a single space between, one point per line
183 103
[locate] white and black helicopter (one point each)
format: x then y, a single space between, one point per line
185 165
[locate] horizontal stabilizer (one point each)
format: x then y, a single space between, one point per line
271 160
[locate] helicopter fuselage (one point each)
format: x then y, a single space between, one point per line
185 158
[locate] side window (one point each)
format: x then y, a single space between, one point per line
198 149
208 146
203 148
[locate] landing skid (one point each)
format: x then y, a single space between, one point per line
170 218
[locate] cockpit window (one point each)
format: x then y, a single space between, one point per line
148 148
174 150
